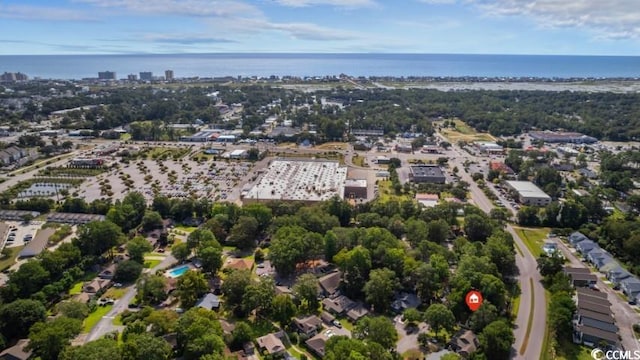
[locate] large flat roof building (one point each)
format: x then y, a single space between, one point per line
299 180
529 193
562 137
426 174
355 188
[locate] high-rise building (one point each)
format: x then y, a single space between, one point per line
107 75
168 75
132 77
146 75
12 77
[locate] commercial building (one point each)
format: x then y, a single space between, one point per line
529 193
562 137
168 75
299 180
490 148
427 200
132 77
239 154
107 75
13 77
202 136
404 147
146 76
86 163
37 244
74 218
367 132
426 174
355 188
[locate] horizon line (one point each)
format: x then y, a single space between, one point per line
316 53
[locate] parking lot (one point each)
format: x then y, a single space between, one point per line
21 230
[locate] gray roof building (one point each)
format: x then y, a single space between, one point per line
37 244
209 301
426 174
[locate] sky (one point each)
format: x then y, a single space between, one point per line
555 27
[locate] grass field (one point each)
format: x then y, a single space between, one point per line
386 193
149 264
125 137
10 259
187 229
533 238
464 132
115 293
359 161
333 146
76 289
94 317
515 306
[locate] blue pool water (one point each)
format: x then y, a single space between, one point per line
179 271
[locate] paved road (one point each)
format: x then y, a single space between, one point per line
624 314
105 325
528 271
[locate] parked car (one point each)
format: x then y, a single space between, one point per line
28 237
337 324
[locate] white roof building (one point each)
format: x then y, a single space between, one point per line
529 193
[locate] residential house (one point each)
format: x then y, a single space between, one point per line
327 318
108 272
583 280
270 344
464 343
17 352
308 326
595 254
357 312
209 301
585 246
317 344
238 264
596 320
550 248
96 285
616 275
339 305
593 337
588 173
404 301
227 327
576 237
330 284
630 287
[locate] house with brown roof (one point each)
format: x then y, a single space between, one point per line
270 344
238 264
308 325
327 318
317 344
339 305
96 285
330 284
17 352
108 272
464 342
357 312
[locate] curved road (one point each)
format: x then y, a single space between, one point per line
528 345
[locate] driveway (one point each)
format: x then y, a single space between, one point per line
406 341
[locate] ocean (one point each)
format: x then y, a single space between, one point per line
264 65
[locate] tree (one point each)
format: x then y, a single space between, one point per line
340 209
151 220
198 332
438 231
305 291
137 247
97 237
561 310
260 212
377 329
380 288
198 237
412 316
477 228
259 296
17 317
162 322
549 265
496 340
292 245
356 264
146 346
151 289
180 251
245 232
528 216
191 286
241 334
73 309
416 231
283 309
28 279
47 339
127 271
235 286
211 259
136 327
438 316
103 348
485 315
343 348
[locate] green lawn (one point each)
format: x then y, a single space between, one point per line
386 193
76 289
9 260
148 264
115 293
533 238
463 128
359 161
515 306
125 137
187 229
94 317
117 320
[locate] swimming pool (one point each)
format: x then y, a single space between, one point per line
178 271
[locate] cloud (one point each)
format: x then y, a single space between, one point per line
613 19
199 8
438 2
350 4
308 31
29 12
187 39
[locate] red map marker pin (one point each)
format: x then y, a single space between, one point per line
474 300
